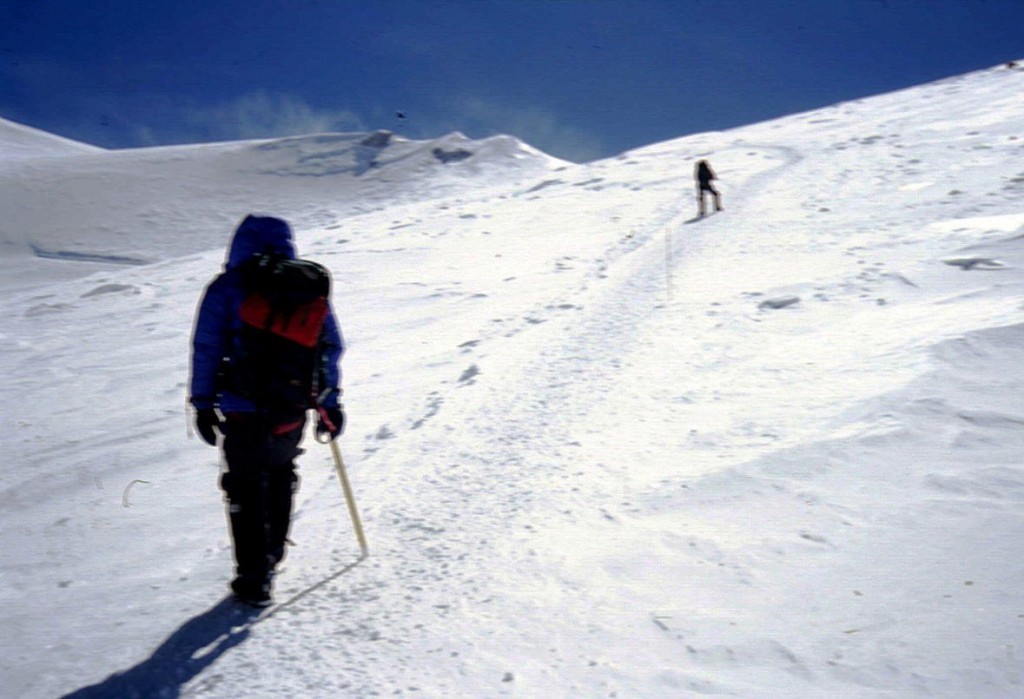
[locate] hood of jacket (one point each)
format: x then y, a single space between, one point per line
259 235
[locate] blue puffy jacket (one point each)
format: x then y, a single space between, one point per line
218 323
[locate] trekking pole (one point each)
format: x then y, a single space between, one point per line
349 498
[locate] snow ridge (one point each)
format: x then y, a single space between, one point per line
18 142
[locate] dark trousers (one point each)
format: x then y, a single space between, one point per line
706 187
259 486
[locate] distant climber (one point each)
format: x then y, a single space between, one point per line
703 174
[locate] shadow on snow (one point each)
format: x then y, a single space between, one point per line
192 648
185 653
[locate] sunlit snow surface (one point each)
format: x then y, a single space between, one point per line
600 448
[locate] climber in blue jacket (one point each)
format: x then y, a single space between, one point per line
259 444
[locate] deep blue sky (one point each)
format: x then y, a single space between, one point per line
577 78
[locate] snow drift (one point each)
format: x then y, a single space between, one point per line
147 205
18 142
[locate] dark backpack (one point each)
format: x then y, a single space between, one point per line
283 316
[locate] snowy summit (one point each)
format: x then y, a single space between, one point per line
601 447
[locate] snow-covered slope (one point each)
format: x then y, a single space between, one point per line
601 448
140 206
18 142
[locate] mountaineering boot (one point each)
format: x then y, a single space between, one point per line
252 565
252 590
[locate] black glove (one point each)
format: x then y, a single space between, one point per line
208 424
332 421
